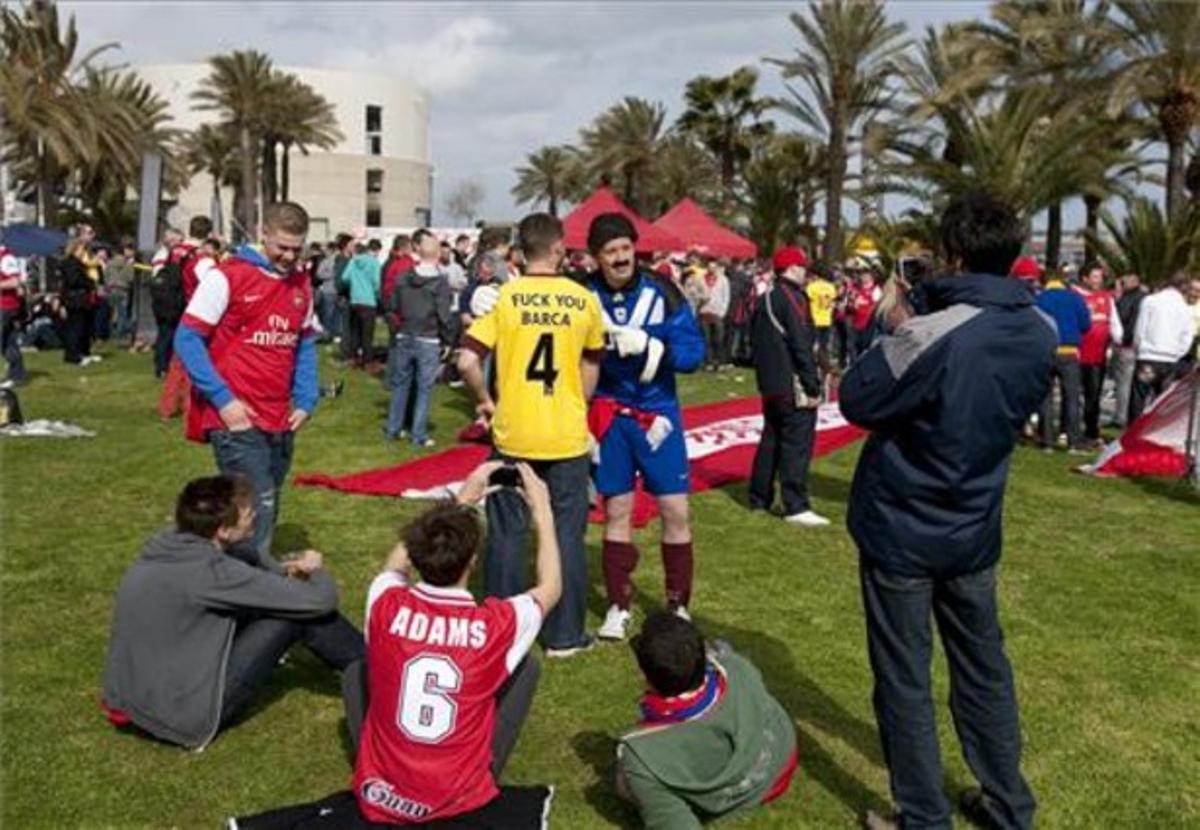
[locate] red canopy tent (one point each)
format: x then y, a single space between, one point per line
578 221
688 221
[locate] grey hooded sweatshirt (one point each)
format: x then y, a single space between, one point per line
176 610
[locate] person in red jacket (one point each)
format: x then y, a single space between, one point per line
1093 347
194 257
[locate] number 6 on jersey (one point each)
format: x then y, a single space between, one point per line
427 711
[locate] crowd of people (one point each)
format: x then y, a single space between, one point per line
571 358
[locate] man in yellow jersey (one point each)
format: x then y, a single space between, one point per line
547 335
822 296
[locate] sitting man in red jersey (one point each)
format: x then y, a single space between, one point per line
447 679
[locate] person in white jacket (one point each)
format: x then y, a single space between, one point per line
1162 338
712 315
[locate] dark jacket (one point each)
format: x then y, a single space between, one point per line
421 305
780 355
173 626
77 288
1127 309
945 396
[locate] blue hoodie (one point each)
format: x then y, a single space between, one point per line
945 397
1069 312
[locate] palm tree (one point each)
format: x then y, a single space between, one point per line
624 141
240 89
725 116
311 122
48 130
211 149
1148 243
1160 42
547 176
685 169
781 182
845 63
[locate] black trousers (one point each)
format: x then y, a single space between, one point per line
784 450
77 335
983 701
1066 369
513 701
260 642
1093 388
362 332
164 348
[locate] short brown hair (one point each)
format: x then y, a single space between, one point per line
288 217
494 236
208 504
537 234
442 541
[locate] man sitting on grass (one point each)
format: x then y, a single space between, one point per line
448 681
197 631
712 741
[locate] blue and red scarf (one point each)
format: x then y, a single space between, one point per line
657 709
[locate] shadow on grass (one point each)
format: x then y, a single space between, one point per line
1179 490
599 751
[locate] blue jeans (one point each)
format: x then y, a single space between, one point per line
417 359
11 347
982 699
508 524
264 458
327 314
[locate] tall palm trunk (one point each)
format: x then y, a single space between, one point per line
270 173
285 175
248 213
552 201
1092 222
835 182
1176 197
1053 235
728 171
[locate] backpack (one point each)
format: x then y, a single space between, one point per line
166 291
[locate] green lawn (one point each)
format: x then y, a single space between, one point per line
1100 593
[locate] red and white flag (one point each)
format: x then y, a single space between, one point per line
1156 443
721 440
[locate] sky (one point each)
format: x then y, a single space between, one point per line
504 78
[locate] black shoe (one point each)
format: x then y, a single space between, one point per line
973 804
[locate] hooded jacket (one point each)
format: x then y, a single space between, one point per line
945 397
421 303
173 624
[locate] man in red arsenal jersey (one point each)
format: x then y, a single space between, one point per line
12 287
1093 345
248 342
448 680
193 258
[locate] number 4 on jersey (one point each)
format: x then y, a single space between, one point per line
541 364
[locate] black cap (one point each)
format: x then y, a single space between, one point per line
609 226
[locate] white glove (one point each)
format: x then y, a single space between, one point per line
629 341
484 300
658 432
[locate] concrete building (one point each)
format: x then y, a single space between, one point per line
379 175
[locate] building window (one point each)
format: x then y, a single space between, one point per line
374 181
374 216
374 130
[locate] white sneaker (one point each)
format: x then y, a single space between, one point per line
587 644
682 612
615 623
807 519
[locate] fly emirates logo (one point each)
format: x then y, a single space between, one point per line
278 334
436 630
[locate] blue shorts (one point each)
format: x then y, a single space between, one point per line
625 452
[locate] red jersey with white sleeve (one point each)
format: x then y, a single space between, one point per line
863 300
435 660
1093 345
253 318
10 269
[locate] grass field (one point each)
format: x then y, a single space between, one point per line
1100 595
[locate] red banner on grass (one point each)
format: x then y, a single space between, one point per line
721 439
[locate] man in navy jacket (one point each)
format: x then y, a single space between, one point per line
945 396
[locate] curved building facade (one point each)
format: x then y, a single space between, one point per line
379 175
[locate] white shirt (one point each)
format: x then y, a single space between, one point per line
1165 328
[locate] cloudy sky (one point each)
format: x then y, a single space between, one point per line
505 77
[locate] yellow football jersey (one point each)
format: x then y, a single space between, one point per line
822 294
539 331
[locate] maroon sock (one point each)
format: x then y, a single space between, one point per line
677 565
619 559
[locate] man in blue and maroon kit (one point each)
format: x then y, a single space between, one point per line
248 342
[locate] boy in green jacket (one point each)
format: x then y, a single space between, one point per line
711 742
